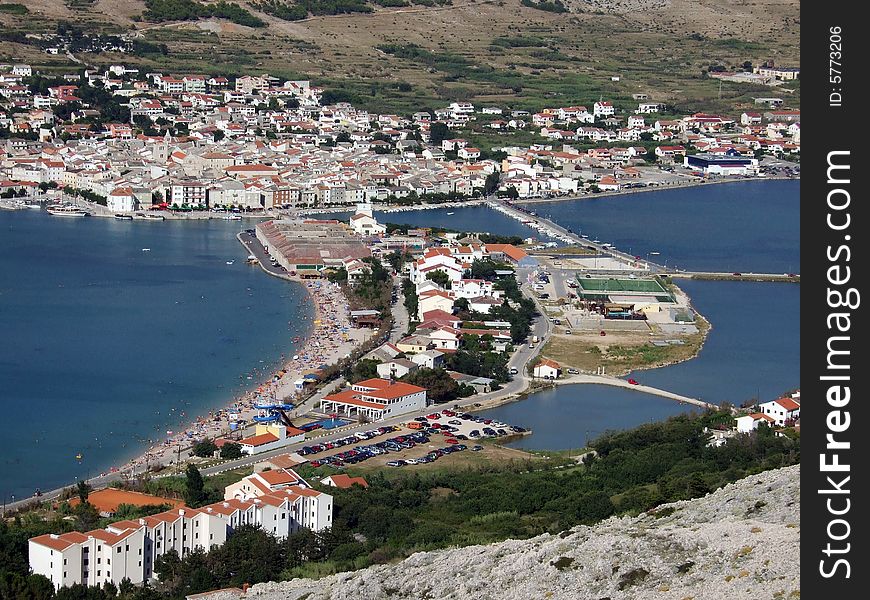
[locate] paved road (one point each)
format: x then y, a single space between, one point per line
254 247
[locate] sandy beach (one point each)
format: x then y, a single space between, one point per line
331 338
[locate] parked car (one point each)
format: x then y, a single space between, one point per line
477 448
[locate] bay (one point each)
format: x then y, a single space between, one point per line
104 345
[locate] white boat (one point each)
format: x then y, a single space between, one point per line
146 249
66 210
148 216
229 262
124 217
450 213
232 218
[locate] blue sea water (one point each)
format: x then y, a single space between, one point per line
103 346
738 226
753 349
99 341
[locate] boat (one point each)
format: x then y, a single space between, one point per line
450 213
655 253
232 218
67 210
229 262
146 249
149 216
124 217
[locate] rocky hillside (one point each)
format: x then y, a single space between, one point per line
740 542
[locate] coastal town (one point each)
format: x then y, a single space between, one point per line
138 145
414 330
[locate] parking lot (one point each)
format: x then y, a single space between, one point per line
421 441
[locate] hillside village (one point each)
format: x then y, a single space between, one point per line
135 141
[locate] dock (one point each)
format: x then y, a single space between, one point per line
648 389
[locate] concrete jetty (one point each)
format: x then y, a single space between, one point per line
617 382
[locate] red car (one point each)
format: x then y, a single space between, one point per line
632 381
452 441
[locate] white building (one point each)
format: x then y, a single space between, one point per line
396 368
781 410
121 200
376 399
749 423
430 359
279 502
603 109
269 436
547 369
364 222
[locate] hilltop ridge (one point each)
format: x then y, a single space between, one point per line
494 51
741 541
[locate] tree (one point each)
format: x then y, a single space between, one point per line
250 555
438 132
512 193
218 135
231 451
490 186
83 490
439 277
440 387
366 368
194 488
204 448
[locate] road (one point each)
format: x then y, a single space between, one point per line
253 245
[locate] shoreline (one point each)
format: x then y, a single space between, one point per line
319 347
98 210
658 188
530 387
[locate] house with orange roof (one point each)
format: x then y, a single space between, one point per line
263 482
281 503
376 399
121 200
269 436
749 423
434 300
547 369
511 254
781 410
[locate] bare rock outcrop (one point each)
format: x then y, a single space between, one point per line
740 542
